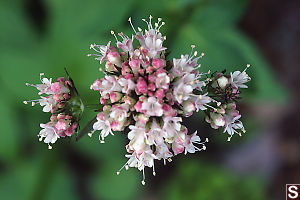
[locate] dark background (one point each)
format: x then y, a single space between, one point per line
48 35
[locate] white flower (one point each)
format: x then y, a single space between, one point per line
104 127
155 135
48 103
201 101
146 159
127 85
126 44
171 126
189 146
181 67
44 88
162 81
182 92
119 113
102 50
137 139
152 107
49 133
239 78
109 84
163 152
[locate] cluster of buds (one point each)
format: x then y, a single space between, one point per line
146 95
61 99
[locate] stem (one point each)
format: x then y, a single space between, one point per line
86 129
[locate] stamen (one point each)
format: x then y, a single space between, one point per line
229 138
113 33
131 24
143 181
49 147
153 170
118 172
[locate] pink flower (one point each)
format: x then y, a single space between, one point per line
141 86
158 63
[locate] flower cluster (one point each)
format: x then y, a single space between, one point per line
146 95
61 100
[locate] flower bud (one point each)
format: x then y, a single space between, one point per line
217 119
222 82
188 106
115 96
115 58
158 63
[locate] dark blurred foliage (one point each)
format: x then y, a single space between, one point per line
48 35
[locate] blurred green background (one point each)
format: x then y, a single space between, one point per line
48 35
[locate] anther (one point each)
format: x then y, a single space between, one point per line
25 102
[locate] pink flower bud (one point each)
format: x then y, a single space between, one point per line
143 118
60 116
57 97
96 85
168 110
149 70
116 126
67 117
56 87
61 126
141 86
61 134
125 68
138 106
150 93
53 118
66 96
103 101
152 78
115 58
158 63
110 67
151 87
100 115
128 100
61 79
141 72
69 131
160 94
115 96
134 63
